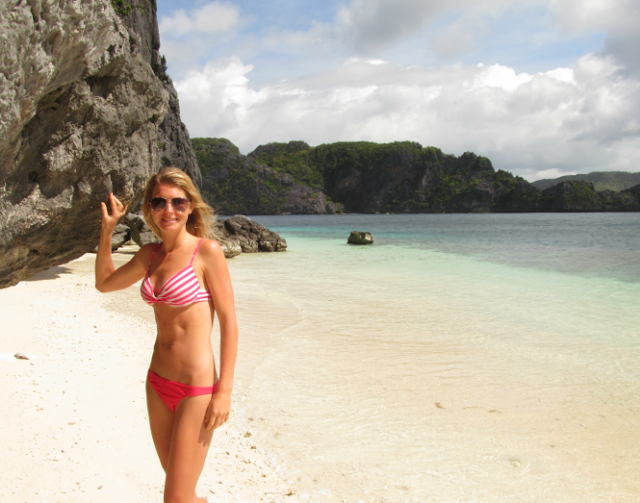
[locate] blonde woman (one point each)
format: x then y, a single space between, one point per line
186 281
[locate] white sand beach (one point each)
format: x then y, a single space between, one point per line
446 379
73 416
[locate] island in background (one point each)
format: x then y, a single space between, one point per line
366 177
601 180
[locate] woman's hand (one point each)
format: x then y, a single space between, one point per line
218 410
117 212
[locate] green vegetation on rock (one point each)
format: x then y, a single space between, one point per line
601 180
367 177
122 7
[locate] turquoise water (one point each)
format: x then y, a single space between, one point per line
460 358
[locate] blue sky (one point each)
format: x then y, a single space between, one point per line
541 87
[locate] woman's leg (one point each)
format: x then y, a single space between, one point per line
189 446
161 420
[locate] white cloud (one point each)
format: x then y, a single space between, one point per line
618 18
562 120
455 40
372 26
578 16
498 76
214 17
217 98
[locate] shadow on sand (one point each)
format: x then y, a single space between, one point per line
53 273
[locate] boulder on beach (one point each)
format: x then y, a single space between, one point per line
236 235
121 234
360 238
249 236
141 233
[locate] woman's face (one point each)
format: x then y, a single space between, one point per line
169 217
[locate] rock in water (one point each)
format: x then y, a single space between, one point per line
360 238
79 115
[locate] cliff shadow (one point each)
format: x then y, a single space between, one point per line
49 274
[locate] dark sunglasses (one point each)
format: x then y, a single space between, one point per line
180 204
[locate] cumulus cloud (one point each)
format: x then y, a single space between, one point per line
217 99
564 120
618 18
372 26
214 17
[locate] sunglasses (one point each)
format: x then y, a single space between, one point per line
180 204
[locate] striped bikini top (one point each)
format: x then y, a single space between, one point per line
181 289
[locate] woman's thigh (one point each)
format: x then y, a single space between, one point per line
161 421
189 448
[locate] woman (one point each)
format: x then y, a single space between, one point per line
185 279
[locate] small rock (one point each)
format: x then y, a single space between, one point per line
21 356
360 238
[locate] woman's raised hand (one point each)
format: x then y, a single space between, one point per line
117 211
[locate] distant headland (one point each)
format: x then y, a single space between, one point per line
366 177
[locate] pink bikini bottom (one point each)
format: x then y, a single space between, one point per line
172 392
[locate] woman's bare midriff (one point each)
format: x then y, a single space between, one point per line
183 351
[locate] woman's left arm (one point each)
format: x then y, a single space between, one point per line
219 283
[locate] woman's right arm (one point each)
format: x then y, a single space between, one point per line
108 278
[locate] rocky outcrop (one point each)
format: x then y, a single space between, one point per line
173 141
582 196
236 235
80 110
601 180
234 183
140 232
360 238
240 232
121 234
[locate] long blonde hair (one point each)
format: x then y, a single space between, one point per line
199 221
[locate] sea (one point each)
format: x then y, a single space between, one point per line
460 358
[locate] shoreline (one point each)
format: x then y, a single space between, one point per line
74 416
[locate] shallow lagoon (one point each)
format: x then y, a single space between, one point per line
459 358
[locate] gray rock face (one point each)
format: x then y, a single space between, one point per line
80 110
249 236
360 238
235 235
121 234
141 233
234 183
173 138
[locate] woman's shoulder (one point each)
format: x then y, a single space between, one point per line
149 248
210 248
146 251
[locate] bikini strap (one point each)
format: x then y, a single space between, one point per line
151 259
195 251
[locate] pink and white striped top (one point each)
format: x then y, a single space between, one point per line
181 289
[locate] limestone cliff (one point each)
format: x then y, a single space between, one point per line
80 109
400 177
234 183
140 18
